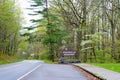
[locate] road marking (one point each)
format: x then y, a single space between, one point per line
29 72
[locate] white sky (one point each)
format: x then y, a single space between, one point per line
24 4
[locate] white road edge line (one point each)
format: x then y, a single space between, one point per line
29 72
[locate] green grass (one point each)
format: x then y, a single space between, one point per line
48 61
5 59
111 66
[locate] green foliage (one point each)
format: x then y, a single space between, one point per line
110 66
104 56
29 28
23 44
38 3
9 27
54 35
48 61
44 55
5 59
94 29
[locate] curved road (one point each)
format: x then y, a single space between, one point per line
37 70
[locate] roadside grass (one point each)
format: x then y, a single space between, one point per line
111 66
5 59
48 61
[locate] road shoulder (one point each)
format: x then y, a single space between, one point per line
104 74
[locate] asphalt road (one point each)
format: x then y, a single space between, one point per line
16 70
37 70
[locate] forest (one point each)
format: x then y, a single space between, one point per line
9 28
91 27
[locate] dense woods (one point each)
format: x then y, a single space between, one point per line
91 27
9 27
95 23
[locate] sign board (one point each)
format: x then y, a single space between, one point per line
68 52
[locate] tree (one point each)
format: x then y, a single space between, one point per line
91 26
86 17
53 33
9 26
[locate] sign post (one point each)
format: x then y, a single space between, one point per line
68 56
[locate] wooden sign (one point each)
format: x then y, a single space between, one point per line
68 52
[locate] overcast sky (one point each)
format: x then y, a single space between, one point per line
24 4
